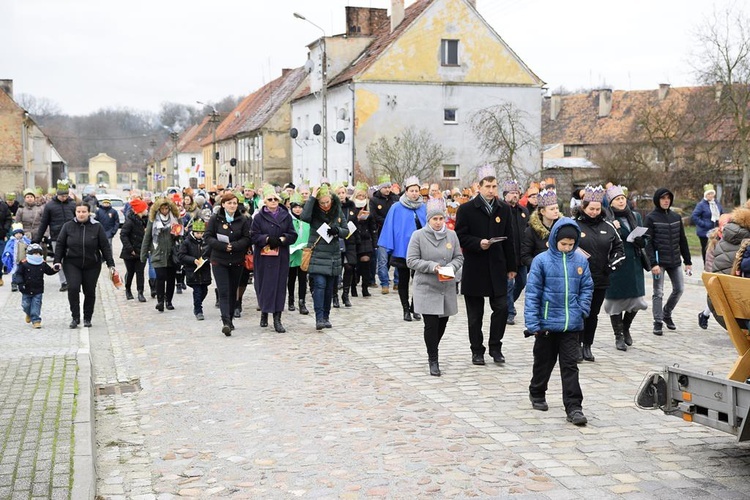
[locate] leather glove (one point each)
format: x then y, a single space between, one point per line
273 242
332 231
639 242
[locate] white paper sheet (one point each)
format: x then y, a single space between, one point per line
352 227
223 238
447 271
323 232
638 231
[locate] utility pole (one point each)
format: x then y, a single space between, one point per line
175 138
214 120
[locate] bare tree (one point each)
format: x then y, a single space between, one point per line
38 107
723 44
503 137
411 152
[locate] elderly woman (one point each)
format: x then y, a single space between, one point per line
160 237
81 247
434 254
272 232
404 217
30 213
706 216
228 235
325 262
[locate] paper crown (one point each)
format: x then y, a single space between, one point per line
708 188
361 186
10 196
547 198
198 226
486 171
510 186
28 191
323 190
63 186
384 181
296 199
411 181
16 227
39 190
613 192
268 191
435 206
591 193
240 197
249 185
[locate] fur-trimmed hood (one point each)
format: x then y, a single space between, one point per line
158 203
535 221
741 216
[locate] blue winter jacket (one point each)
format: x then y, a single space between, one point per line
702 218
559 287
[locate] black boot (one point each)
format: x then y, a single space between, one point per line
264 319
277 323
627 320
129 294
416 316
363 269
407 314
365 289
226 328
618 327
587 355
302 307
160 305
345 298
335 300
152 287
354 290
434 366
291 303
579 354
141 297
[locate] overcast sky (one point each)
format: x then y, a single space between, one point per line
91 54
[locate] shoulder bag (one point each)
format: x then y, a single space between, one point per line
307 255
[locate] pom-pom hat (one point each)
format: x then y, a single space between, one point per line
15 228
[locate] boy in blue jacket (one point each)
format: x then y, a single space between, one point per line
558 298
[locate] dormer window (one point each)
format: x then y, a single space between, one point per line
449 52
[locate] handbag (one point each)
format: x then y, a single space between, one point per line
249 261
307 255
645 262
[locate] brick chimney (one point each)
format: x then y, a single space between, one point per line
718 90
605 102
363 21
663 91
7 87
397 13
555 106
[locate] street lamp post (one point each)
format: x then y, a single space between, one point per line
323 93
214 120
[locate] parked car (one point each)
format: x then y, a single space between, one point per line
117 203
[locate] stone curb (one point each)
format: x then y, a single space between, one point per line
84 455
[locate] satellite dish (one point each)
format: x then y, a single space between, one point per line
342 114
294 133
309 65
305 135
317 129
340 137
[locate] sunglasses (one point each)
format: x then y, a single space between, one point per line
273 199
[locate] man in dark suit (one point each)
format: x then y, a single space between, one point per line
488 263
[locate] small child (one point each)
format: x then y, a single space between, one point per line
15 251
558 298
190 253
29 277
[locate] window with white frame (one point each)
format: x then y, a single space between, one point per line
450 115
450 171
449 52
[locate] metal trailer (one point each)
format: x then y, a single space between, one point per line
720 403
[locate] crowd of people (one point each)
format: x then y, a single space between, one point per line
490 241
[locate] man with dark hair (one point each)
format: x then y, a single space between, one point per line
484 228
667 248
381 202
519 220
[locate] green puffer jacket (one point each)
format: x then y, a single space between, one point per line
326 257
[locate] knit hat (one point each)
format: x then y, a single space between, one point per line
613 192
547 198
199 200
411 181
566 231
106 200
198 226
435 206
708 188
16 228
34 248
10 196
591 193
485 171
510 186
63 186
138 206
384 181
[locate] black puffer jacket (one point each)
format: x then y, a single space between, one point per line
55 214
379 206
131 236
191 249
666 235
83 244
238 233
601 240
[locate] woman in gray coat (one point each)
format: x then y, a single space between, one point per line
432 250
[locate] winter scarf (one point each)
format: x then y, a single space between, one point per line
411 205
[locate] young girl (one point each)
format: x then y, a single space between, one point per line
194 252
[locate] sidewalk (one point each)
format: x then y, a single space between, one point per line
46 414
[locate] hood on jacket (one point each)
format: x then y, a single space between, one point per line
158 203
661 192
741 216
562 222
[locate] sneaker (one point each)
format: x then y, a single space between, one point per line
38 324
657 328
702 320
199 317
576 417
385 290
538 403
28 319
511 321
670 324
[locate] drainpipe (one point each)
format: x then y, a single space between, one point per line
354 148
24 147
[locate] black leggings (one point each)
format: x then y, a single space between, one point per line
296 274
434 328
134 267
590 323
86 278
165 277
403 287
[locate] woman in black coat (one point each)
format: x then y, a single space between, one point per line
368 235
348 251
601 241
541 220
131 236
228 235
81 246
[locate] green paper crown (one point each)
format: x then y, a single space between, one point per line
324 191
268 190
296 198
361 186
199 226
63 186
249 185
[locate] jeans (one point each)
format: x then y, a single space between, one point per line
322 294
547 348
199 295
383 256
32 306
86 278
675 277
515 287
